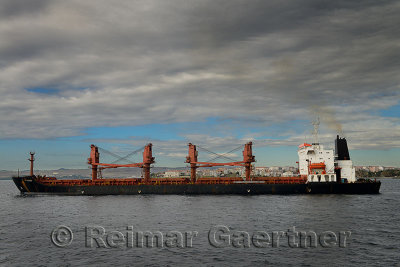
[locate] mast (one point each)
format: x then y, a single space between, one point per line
315 132
94 160
192 158
32 159
248 158
148 159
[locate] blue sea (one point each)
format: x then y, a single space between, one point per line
175 230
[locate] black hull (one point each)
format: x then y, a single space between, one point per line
30 185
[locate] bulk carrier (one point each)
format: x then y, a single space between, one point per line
320 171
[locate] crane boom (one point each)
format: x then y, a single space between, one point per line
148 159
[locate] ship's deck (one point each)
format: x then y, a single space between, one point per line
51 181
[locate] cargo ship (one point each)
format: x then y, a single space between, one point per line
320 171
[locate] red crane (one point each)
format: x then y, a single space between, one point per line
148 159
248 158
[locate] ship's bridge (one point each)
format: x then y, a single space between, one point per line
316 163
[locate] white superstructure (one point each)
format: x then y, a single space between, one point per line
320 165
316 163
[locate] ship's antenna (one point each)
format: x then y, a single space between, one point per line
315 123
305 133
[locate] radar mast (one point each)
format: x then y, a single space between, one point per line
315 132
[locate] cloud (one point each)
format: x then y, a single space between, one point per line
255 62
173 155
14 8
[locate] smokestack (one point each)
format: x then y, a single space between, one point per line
341 149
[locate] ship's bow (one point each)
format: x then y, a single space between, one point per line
23 183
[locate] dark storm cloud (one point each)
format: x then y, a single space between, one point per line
356 38
136 62
12 8
227 21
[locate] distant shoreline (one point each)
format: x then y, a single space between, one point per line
378 174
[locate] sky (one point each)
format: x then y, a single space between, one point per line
217 73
